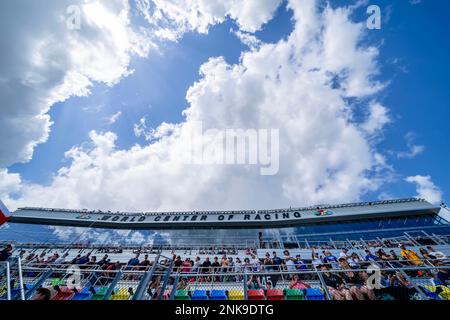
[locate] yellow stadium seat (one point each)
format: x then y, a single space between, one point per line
121 294
236 294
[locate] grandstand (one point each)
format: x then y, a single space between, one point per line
384 250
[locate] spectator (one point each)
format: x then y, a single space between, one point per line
183 284
144 264
395 260
299 263
6 252
356 281
247 265
254 283
216 265
344 253
238 265
436 254
276 261
197 265
104 261
84 259
186 266
354 261
268 262
154 288
177 264
443 276
76 259
206 265
410 255
335 285
133 262
316 260
296 283
370 257
52 258
111 268
42 294
93 261
255 263
290 264
62 259
425 255
330 259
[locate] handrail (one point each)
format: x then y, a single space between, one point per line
140 291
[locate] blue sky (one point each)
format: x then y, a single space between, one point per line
413 61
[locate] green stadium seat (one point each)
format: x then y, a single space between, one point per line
100 293
295 294
182 295
57 282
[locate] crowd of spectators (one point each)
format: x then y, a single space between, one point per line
345 275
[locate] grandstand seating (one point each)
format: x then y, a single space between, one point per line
274 294
64 293
99 293
85 294
222 286
218 295
315 294
256 294
294 294
236 294
121 294
182 295
199 295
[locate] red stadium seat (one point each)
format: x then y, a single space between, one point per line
64 294
255 294
274 294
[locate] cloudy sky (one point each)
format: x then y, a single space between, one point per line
97 99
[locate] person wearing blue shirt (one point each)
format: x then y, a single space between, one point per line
299 263
276 261
330 259
370 257
84 259
133 262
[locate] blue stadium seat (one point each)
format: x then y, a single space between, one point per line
85 294
199 295
314 294
218 295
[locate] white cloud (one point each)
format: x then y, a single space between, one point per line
45 62
170 19
413 149
9 183
426 189
247 39
113 118
299 85
377 119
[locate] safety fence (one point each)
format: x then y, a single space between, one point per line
163 281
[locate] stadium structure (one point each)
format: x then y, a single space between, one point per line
385 250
